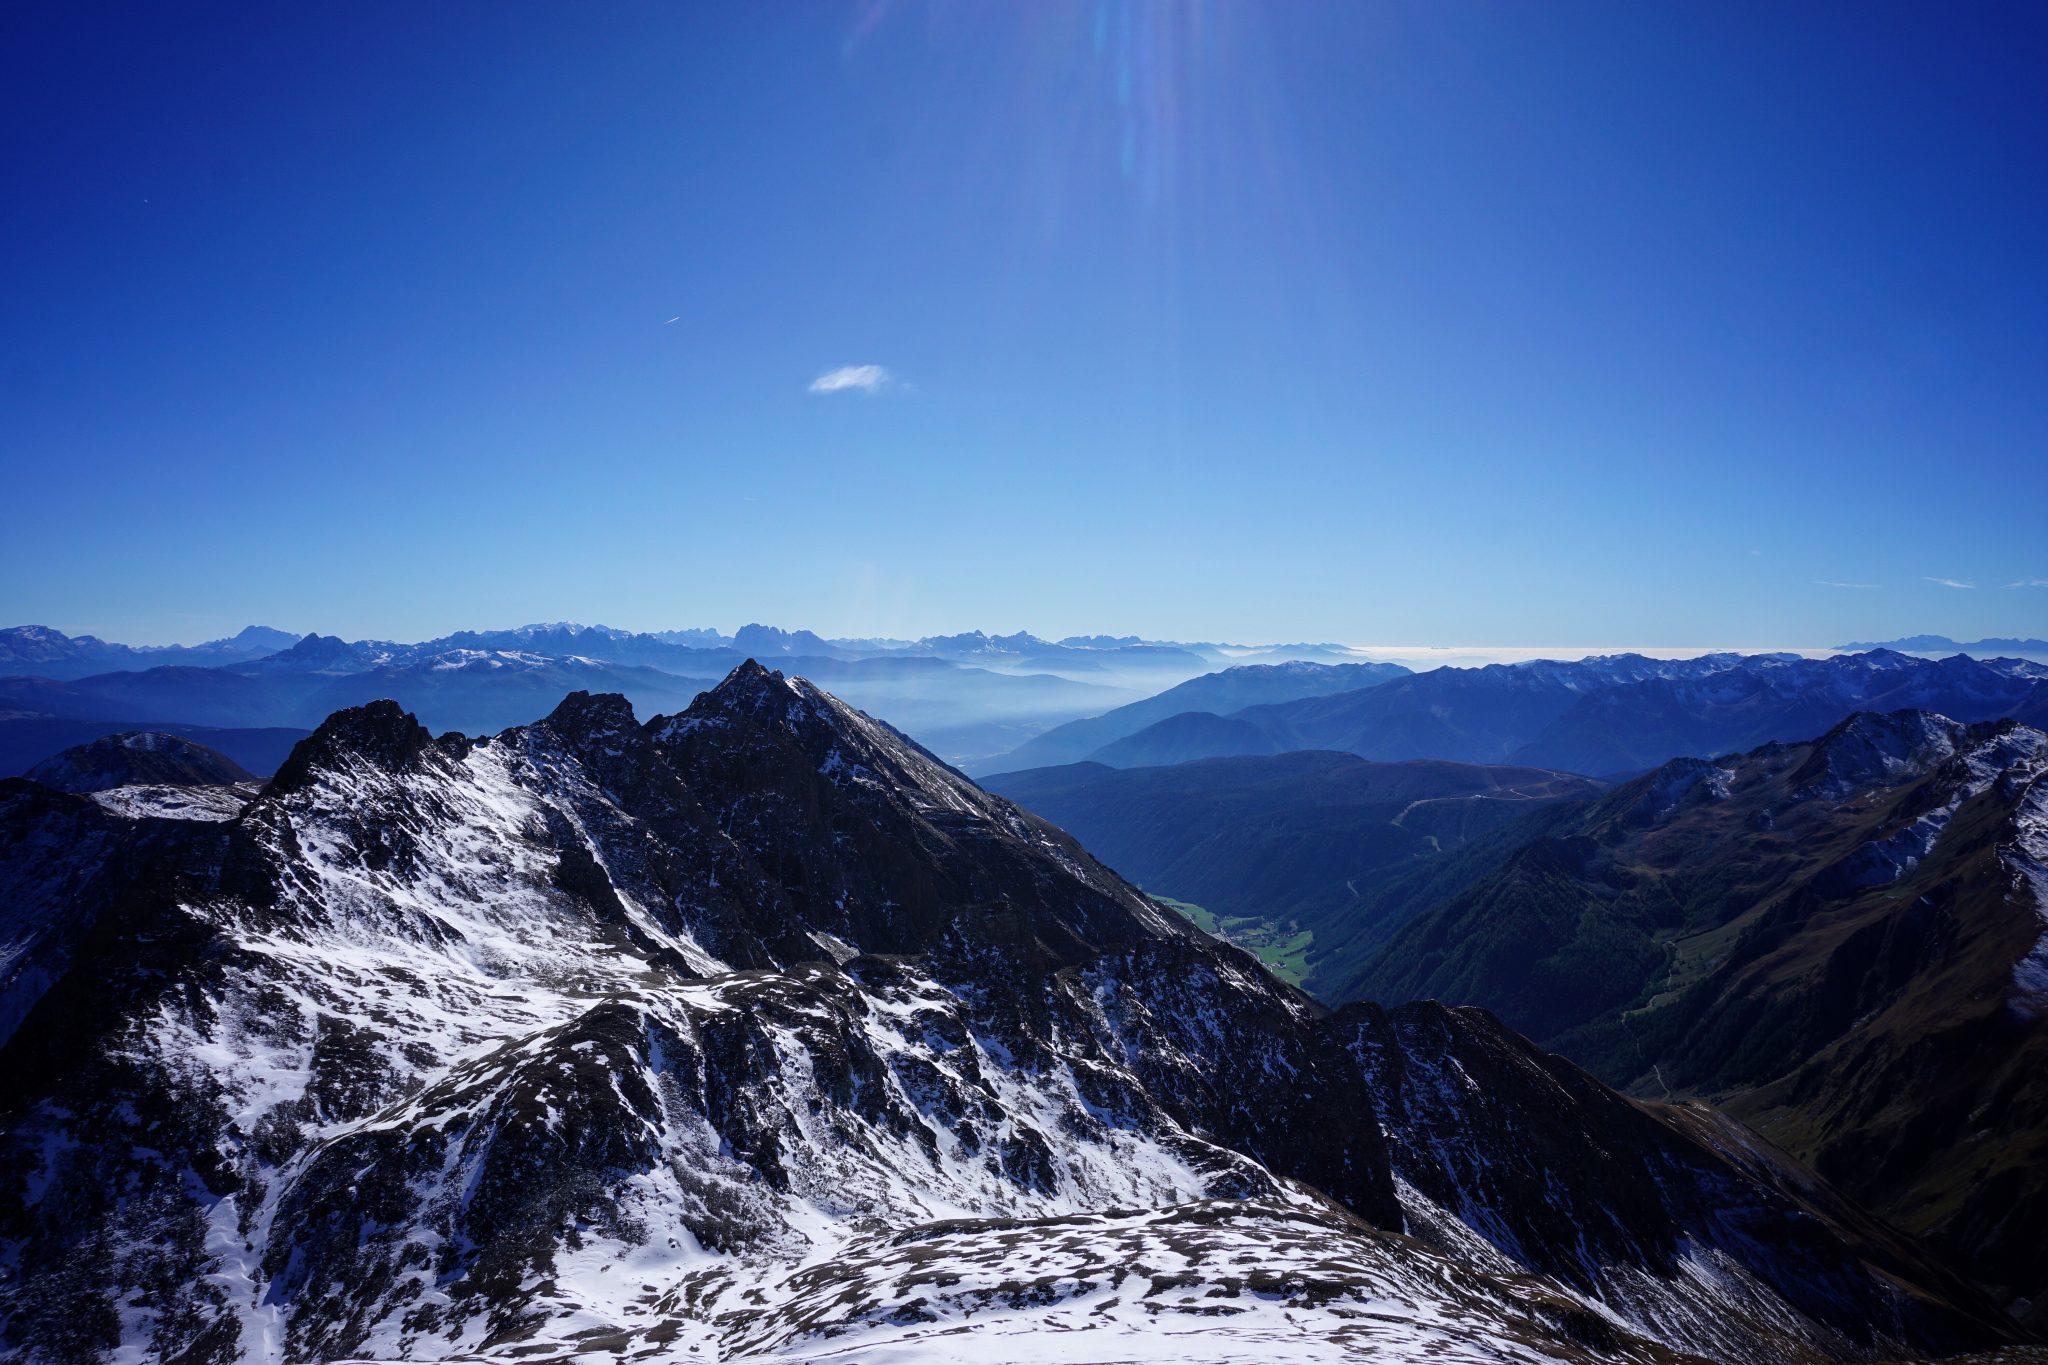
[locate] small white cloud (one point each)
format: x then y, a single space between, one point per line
2029 583
861 378
1949 582
1831 583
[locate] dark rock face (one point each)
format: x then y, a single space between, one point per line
648 1035
66 863
379 735
138 757
878 842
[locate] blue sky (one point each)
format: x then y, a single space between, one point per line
1410 322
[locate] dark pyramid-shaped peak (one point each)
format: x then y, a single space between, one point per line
764 718
262 638
381 733
584 716
753 691
318 649
751 675
887 848
763 711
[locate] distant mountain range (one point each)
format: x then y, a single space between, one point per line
1004 703
1941 644
39 651
969 696
1230 690
1605 716
955 708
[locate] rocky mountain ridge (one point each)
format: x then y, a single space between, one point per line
1843 940
151 773
758 1029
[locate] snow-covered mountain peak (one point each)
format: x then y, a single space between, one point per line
890 846
380 734
760 711
1951 766
1874 747
1657 797
756 1029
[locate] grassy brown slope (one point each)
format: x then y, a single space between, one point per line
1720 948
1932 1104
1622 911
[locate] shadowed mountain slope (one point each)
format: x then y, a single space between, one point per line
1844 941
1213 693
138 756
1301 843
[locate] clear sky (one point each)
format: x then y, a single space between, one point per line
1428 322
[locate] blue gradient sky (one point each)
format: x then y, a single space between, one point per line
1418 322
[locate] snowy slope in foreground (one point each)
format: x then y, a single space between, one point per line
1208 1283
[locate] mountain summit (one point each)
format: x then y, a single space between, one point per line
755 1030
135 757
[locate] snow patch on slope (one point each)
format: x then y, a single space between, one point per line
145 801
2012 757
2028 858
1203 1283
